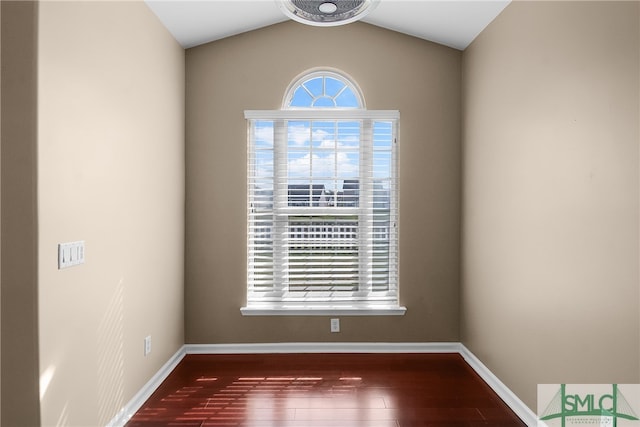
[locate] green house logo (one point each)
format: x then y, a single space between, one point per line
591 405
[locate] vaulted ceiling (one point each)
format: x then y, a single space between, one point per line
453 23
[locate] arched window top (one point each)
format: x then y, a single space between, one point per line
321 89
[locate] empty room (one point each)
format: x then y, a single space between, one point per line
349 190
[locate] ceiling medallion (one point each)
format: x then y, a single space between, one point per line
326 12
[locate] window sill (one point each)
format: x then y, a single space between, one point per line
323 311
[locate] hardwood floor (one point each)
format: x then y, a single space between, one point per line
324 390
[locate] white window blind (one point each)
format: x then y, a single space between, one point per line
322 209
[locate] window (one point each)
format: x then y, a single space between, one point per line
322 203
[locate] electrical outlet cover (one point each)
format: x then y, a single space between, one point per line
335 325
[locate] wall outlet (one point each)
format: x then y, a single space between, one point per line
335 325
147 345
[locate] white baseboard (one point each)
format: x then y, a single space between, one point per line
512 401
516 405
147 390
319 347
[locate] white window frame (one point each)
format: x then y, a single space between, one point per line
307 76
365 301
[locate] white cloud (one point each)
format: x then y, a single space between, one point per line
340 165
263 136
335 164
300 135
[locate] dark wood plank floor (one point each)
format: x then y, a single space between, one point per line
324 390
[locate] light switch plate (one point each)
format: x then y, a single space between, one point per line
147 345
70 254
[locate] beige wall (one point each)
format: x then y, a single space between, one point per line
252 71
111 173
0 212
550 288
19 376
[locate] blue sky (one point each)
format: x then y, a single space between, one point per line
325 152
